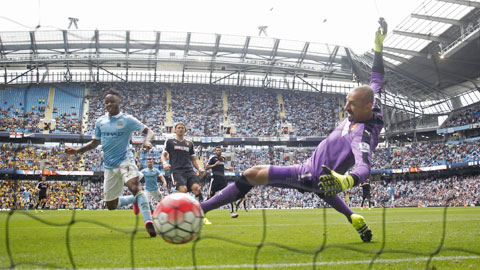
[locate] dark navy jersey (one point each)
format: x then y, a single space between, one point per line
218 170
366 188
43 189
180 153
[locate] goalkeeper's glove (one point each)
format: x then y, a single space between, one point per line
380 35
332 182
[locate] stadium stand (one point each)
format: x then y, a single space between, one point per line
464 116
430 192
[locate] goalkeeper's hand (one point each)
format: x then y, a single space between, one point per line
380 35
332 182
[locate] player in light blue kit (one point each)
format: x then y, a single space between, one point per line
113 131
26 198
151 176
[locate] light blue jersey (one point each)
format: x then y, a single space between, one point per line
391 191
26 195
151 177
115 133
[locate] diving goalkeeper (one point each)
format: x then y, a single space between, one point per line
324 173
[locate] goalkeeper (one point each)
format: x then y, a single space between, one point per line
350 144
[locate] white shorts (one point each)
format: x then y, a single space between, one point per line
116 178
155 194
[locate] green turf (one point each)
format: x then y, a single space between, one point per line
411 234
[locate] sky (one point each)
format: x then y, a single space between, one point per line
348 23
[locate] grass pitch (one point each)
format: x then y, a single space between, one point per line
292 239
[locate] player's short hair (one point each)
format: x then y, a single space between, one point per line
148 159
179 123
218 146
113 92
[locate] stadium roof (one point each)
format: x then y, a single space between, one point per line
419 80
438 46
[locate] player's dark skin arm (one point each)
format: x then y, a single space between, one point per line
87 147
147 145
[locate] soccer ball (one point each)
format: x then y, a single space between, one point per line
178 218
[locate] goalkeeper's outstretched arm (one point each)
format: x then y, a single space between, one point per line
378 70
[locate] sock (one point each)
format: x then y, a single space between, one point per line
43 205
222 197
339 205
144 206
36 206
231 207
125 200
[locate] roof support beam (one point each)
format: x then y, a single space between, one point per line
245 49
224 77
215 52
309 84
217 45
394 57
33 44
332 56
303 54
65 42
127 50
402 51
2 52
420 36
157 48
436 19
97 43
157 44
463 3
187 44
68 74
275 49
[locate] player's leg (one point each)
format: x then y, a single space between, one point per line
149 195
131 178
113 189
157 196
280 176
218 183
180 182
237 204
257 175
245 206
197 191
44 202
363 202
357 221
211 192
36 205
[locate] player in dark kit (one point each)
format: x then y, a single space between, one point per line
182 160
350 145
217 164
366 194
182 157
42 188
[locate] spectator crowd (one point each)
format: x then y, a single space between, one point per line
87 194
